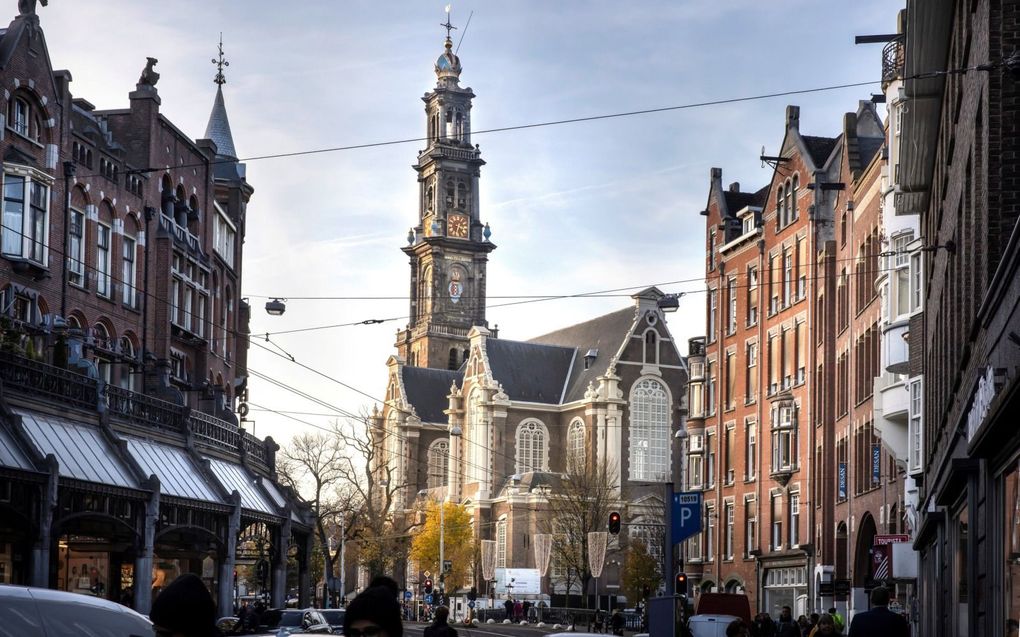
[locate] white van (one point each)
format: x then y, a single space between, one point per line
709 625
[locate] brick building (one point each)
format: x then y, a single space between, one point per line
495 424
124 345
781 384
959 172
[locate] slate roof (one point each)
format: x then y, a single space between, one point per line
178 475
427 389
218 128
819 147
11 453
868 147
736 201
604 333
236 478
530 372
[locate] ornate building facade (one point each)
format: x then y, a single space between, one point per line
124 343
492 423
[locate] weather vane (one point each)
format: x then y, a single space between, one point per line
220 63
447 25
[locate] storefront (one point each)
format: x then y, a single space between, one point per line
785 586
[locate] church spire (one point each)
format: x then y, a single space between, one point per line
218 128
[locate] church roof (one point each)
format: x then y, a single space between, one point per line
427 390
218 128
529 371
604 333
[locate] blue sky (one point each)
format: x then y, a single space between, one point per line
573 208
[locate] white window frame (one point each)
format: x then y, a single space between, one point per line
576 445
916 282
25 234
104 283
438 463
224 235
650 423
750 525
750 450
532 445
713 313
76 247
784 439
728 508
915 424
501 538
129 267
794 525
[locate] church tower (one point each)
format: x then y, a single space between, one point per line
449 247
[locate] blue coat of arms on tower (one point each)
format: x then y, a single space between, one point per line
456 285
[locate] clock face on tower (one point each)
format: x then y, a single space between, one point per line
457 226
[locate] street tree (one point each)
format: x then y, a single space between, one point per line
458 543
581 504
640 572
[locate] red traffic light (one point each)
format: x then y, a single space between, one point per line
614 523
428 586
681 583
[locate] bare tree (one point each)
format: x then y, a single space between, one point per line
582 503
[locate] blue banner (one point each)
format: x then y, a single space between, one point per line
842 481
686 515
876 463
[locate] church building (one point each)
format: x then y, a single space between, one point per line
492 423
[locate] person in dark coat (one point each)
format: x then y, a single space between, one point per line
617 622
787 626
440 627
375 612
879 620
185 608
509 606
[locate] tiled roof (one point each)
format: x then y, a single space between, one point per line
604 333
427 391
820 148
218 128
529 371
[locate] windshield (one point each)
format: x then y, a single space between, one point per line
334 616
291 618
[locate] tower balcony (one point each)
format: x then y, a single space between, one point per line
892 60
449 149
895 348
891 402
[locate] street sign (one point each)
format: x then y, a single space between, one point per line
447 566
428 599
686 515
842 488
826 589
407 595
892 538
471 604
427 574
842 587
876 463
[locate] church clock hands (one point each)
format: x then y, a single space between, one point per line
457 225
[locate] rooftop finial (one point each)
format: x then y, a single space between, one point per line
448 26
220 62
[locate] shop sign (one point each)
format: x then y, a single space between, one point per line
891 538
988 386
876 463
842 481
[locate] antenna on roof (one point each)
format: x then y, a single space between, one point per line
464 32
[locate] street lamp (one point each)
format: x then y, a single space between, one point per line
276 307
670 302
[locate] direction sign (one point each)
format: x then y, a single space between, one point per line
471 604
686 515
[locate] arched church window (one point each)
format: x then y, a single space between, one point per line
429 195
452 363
461 195
576 449
651 354
449 193
649 431
532 450
439 463
425 291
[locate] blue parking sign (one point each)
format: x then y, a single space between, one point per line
686 515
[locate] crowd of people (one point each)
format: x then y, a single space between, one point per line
185 608
877 621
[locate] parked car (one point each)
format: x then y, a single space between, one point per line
735 604
335 617
41 612
284 622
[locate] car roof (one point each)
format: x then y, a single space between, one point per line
49 595
709 617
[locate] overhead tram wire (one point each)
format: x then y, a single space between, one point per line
561 122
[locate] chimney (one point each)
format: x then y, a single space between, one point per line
793 117
735 186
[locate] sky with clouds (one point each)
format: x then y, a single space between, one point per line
573 208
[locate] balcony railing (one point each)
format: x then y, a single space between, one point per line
180 233
892 60
21 375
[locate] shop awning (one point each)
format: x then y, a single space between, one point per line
11 454
235 477
80 448
177 473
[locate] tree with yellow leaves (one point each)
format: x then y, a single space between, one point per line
458 544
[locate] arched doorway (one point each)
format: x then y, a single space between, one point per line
187 548
863 570
96 553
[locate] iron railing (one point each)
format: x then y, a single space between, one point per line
45 381
145 410
892 60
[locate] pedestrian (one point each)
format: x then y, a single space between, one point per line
804 625
617 622
838 620
185 608
737 628
879 620
375 612
509 606
525 607
786 626
517 610
440 626
598 620
825 627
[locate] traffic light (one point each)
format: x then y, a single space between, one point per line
614 523
681 583
428 586
472 594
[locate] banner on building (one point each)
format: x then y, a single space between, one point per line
876 463
842 481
